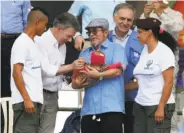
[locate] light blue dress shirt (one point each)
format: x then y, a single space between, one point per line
133 50
94 9
14 16
108 94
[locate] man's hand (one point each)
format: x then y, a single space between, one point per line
29 106
78 64
79 42
92 72
158 9
159 114
147 10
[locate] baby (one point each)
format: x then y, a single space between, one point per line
97 62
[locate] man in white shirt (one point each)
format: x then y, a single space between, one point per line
26 81
51 45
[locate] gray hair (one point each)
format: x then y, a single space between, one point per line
66 20
123 6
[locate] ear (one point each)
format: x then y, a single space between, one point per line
106 32
37 21
150 31
114 18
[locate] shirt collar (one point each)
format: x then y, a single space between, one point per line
52 39
127 35
105 44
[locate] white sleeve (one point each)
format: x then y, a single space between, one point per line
168 60
142 16
76 8
19 53
173 21
47 68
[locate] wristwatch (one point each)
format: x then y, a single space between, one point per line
134 80
101 76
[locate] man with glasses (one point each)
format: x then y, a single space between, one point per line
103 104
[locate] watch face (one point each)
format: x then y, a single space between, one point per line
134 80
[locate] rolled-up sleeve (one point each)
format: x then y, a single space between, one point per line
48 69
76 8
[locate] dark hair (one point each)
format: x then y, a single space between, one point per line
168 40
123 6
66 20
41 10
164 37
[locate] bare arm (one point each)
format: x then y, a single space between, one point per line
93 73
19 82
131 86
111 73
64 69
168 84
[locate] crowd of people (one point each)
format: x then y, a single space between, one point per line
137 94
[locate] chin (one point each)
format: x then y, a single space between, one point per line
124 30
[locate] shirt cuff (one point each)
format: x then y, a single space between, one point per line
77 34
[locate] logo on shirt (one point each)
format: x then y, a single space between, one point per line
148 64
35 67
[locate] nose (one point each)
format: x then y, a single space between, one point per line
125 21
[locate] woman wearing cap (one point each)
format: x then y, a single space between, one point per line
154 103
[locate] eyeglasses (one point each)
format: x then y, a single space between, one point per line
94 31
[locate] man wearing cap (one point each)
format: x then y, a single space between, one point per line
103 104
127 38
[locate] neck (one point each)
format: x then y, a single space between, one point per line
30 31
119 33
96 47
54 32
152 43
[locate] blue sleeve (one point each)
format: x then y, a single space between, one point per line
25 10
76 8
120 55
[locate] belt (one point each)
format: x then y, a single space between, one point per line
12 36
47 91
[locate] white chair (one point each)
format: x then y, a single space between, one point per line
3 102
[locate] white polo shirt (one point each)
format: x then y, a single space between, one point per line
25 51
52 58
149 74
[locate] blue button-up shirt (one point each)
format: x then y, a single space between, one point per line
108 94
133 50
14 16
94 9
